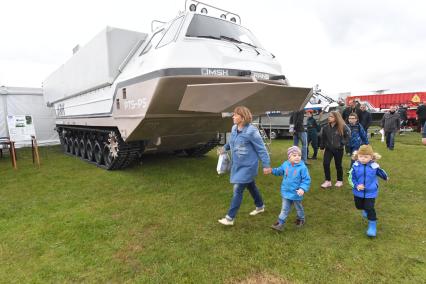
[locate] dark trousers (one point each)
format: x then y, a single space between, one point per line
337 154
366 204
313 140
390 139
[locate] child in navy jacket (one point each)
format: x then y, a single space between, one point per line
358 134
365 186
296 181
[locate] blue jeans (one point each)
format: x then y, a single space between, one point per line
303 136
390 139
286 207
238 197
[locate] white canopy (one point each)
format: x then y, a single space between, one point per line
28 101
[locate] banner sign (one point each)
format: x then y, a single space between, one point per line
21 127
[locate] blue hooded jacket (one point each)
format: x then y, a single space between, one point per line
358 136
247 148
367 175
295 176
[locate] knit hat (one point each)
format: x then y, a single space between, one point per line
366 150
292 150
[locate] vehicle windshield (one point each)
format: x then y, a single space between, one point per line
208 27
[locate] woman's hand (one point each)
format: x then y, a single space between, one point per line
360 187
220 150
267 171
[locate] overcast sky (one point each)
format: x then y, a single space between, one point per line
344 46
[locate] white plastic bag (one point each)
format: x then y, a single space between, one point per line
223 164
291 128
382 131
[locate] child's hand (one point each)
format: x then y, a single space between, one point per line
300 192
267 171
360 187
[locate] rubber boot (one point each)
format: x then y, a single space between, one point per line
371 232
364 214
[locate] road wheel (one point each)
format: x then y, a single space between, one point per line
71 143
98 153
76 147
89 150
66 145
82 147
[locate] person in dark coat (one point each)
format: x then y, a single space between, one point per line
312 127
296 119
353 107
365 118
421 114
402 111
391 124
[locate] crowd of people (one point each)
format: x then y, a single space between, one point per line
347 130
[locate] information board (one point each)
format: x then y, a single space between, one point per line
21 127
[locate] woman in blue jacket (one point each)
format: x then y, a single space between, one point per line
247 147
365 186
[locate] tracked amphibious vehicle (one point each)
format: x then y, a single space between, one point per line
126 93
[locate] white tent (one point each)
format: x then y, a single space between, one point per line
28 101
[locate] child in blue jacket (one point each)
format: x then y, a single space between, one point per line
296 181
365 186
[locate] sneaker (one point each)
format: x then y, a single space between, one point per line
326 184
339 183
300 223
277 226
225 221
257 211
314 158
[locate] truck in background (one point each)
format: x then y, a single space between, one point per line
383 102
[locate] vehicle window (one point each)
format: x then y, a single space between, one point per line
169 36
205 26
153 41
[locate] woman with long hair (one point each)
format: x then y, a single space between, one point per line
335 135
247 147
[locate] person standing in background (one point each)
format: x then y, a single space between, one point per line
421 115
390 125
296 119
352 108
312 127
402 111
365 117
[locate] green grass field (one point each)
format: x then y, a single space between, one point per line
70 221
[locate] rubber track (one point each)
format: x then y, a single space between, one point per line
127 153
203 149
